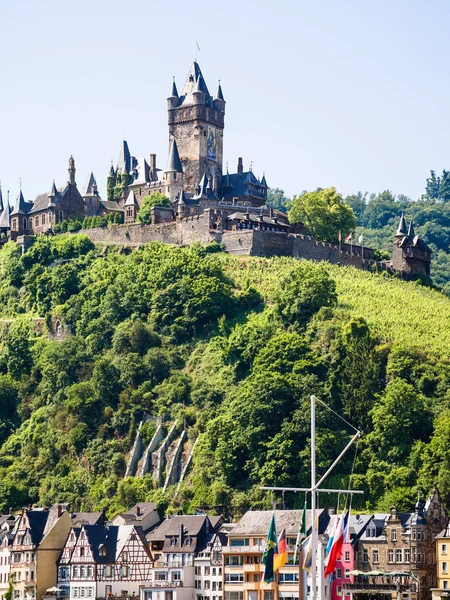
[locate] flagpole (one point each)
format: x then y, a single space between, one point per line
313 498
300 571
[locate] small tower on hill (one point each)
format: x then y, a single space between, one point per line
411 255
196 122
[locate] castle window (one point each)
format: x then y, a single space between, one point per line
36 221
43 219
24 223
14 224
174 176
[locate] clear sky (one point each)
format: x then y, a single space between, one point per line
348 93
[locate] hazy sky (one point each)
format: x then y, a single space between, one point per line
353 94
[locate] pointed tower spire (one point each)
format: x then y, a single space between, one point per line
1 198
263 181
411 233
220 93
174 93
401 229
174 162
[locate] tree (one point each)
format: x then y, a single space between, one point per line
324 213
277 199
303 293
357 203
154 199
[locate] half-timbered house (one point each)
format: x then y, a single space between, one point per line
103 561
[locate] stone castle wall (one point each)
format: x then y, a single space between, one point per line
251 242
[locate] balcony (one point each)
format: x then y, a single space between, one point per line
252 585
165 584
377 588
242 549
251 568
267 586
177 564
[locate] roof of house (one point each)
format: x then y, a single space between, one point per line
195 82
89 186
42 200
138 513
87 518
257 522
195 527
110 205
174 162
21 205
37 520
240 216
238 184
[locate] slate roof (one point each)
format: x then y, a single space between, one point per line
174 162
195 527
194 81
257 522
42 201
401 229
1 199
4 217
220 93
22 206
256 219
204 190
131 199
357 525
236 184
87 518
174 91
124 160
133 518
88 189
37 520
100 536
110 205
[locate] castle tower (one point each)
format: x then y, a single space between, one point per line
174 172
411 255
196 122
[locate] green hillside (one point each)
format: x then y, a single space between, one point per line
231 348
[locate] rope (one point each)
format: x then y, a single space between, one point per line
337 415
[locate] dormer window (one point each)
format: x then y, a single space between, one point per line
173 541
188 542
103 551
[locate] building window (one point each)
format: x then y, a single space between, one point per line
375 556
268 595
365 557
338 573
176 575
407 556
347 556
445 586
234 596
283 578
444 548
240 542
234 578
347 573
419 535
394 535
234 561
398 556
43 219
390 556
444 567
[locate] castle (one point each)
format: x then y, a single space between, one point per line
203 203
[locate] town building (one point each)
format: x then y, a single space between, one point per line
397 552
411 254
99 561
7 524
242 567
174 545
348 560
208 566
39 538
442 589
144 515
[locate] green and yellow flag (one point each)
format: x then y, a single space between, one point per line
270 549
301 534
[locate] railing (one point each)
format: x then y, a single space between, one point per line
175 563
164 584
239 549
377 587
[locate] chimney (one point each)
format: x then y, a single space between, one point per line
58 510
153 164
240 166
181 534
138 511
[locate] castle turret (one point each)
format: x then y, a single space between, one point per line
1 198
173 100
110 183
411 255
174 172
401 229
219 102
52 195
72 171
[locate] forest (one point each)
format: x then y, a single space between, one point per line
230 346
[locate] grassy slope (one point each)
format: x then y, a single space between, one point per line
398 311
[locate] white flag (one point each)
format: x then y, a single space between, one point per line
360 239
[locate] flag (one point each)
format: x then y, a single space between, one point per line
339 236
336 548
307 561
301 533
197 45
270 549
331 538
349 237
281 557
360 239
347 524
